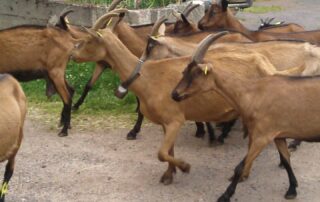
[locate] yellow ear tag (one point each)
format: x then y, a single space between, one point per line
110 21
4 189
99 34
154 37
206 70
67 21
277 23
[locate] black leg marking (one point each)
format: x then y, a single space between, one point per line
211 133
66 114
226 128
225 197
132 135
294 145
83 96
291 193
7 176
200 130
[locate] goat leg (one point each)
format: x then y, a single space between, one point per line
7 176
226 128
285 160
200 130
100 67
211 133
167 177
293 146
136 129
243 168
171 131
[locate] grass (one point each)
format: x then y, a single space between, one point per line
263 9
128 3
101 107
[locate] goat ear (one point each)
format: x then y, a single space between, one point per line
176 14
206 68
224 5
162 29
185 20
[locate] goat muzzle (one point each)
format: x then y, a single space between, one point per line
176 97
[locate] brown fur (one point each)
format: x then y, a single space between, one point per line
156 102
217 18
38 49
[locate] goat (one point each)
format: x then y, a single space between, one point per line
155 101
279 103
42 50
220 17
12 116
135 44
281 27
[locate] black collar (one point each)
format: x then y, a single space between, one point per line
122 89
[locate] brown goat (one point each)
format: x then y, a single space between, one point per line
220 17
135 44
155 100
279 103
39 49
12 116
279 27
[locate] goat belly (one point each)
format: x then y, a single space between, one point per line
29 75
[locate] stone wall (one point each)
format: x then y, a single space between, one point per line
19 12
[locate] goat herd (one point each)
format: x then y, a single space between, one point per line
265 77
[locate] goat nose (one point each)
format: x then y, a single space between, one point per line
175 96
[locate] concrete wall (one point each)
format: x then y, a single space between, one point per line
19 12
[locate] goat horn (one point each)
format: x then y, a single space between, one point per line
103 19
271 19
176 14
157 25
187 12
120 10
65 12
203 46
187 7
113 5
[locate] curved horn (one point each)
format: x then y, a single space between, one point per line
157 24
187 12
103 19
113 5
65 12
187 7
270 20
120 10
203 46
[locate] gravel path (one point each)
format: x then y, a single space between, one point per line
103 166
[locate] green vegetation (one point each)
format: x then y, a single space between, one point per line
101 104
128 3
263 9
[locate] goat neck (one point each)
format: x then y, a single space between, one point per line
234 89
119 57
134 42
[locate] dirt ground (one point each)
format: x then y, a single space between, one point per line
95 165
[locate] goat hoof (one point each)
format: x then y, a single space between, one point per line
185 167
131 135
62 134
224 198
166 179
291 195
